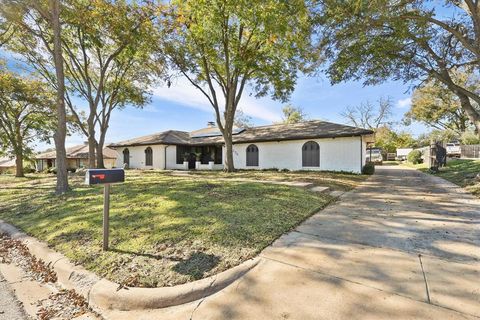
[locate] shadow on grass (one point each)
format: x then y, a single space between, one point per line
197 265
147 255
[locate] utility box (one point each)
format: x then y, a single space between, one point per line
104 176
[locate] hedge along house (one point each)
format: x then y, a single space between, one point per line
77 157
310 145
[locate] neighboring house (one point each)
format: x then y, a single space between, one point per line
7 165
77 157
311 145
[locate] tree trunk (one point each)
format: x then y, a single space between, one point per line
92 143
229 116
472 114
229 152
227 137
61 130
18 148
100 144
19 163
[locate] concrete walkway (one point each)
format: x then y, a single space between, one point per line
404 245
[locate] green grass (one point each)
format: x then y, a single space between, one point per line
463 173
420 166
165 230
391 163
342 181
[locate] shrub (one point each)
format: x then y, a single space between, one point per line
415 157
469 137
29 169
368 168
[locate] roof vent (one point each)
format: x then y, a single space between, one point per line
210 124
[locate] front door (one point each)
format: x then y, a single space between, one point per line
191 161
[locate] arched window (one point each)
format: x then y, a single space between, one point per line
311 154
126 156
148 157
252 156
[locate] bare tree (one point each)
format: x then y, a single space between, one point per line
368 116
242 120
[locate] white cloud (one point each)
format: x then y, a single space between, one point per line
404 103
184 93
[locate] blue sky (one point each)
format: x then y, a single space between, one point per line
183 107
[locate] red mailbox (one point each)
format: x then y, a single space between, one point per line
103 176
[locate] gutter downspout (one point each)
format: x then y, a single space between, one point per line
165 158
361 153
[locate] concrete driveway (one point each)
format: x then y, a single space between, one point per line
404 245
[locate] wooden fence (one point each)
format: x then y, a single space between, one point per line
470 151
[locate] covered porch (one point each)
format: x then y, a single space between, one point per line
202 157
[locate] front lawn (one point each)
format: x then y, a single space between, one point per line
342 181
165 229
463 173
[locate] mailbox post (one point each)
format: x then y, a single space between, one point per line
105 177
106 215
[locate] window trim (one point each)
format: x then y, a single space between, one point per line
305 163
126 152
256 152
148 157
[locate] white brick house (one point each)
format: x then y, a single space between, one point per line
311 145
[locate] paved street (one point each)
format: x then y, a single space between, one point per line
10 309
405 245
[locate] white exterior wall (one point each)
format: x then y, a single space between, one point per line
364 151
137 157
336 154
172 159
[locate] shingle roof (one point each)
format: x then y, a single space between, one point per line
166 137
77 152
305 130
6 162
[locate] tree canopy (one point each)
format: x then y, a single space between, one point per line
438 107
26 114
292 114
403 40
390 141
221 46
110 57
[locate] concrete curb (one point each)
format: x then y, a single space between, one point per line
104 294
